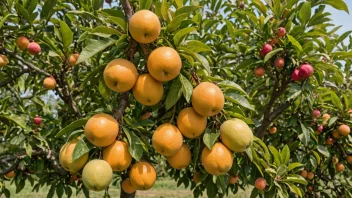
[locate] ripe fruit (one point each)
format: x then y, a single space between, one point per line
236 135
33 48
37 120
3 60
339 167
190 123
207 99
260 183
181 159
344 130
349 159
49 83
275 41
281 32
73 59
145 116
295 75
10 174
336 134
196 177
304 173
310 189
310 175
22 43
335 160
142 176
329 141
259 71
233 179
65 157
97 175
120 149
316 114
320 128
127 186
266 49
279 62
272 130
147 90
164 64
144 26
101 129
120 75
167 139
306 70
218 160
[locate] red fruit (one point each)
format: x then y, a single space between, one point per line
306 70
33 48
340 167
281 32
329 141
233 179
266 49
275 41
349 159
295 75
316 114
259 71
279 62
320 128
37 120
310 188
260 183
272 130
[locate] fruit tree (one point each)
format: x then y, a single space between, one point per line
218 95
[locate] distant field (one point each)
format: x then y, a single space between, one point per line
163 188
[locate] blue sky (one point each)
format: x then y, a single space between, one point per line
341 17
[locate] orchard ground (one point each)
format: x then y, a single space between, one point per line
163 188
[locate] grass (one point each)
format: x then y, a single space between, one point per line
163 188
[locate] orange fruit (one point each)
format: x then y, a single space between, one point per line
120 75
146 115
196 177
97 175
190 123
167 139
336 134
233 179
22 43
164 64
144 26
344 130
260 183
147 90
304 173
326 117
349 159
259 71
101 129
120 149
340 167
310 175
310 188
207 99
49 83
181 159
127 186
10 174
73 59
218 160
272 130
3 60
65 157
236 135
142 176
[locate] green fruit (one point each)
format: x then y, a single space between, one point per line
236 135
97 175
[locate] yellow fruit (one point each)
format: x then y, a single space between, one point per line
97 175
326 117
144 26
117 155
344 130
49 83
190 123
167 139
207 99
120 75
236 135
10 174
73 59
147 90
181 159
65 157
127 186
22 43
164 64
218 160
3 60
101 129
142 176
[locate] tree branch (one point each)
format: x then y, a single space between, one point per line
10 79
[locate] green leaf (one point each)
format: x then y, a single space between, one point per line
211 189
51 191
104 31
66 34
238 99
5 18
295 178
294 165
71 127
94 47
135 145
337 4
276 155
82 147
181 33
186 10
305 12
204 62
323 150
209 138
332 121
336 101
176 22
197 46
271 54
23 12
231 85
294 42
20 186
145 4
294 189
187 88
281 170
174 94
317 157
285 155
305 136
118 21
48 9
18 120
104 90
249 153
